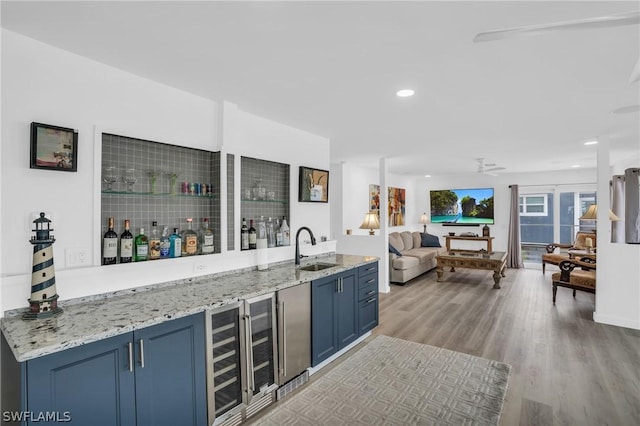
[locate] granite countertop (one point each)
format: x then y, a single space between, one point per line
90 320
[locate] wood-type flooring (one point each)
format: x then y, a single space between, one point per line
567 369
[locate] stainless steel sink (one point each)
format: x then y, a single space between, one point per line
318 266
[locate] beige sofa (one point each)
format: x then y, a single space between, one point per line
415 260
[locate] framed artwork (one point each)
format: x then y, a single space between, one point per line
313 185
374 199
396 207
54 148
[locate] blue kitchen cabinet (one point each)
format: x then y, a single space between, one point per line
368 310
153 376
334 315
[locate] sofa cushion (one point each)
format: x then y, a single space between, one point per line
422 254
416 239
405 262
394 250
407 240
396 241
429 240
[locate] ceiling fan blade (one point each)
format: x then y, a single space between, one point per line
627 109
495 169
626 18
490 174
635 73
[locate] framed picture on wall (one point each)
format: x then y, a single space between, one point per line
54 148
313 185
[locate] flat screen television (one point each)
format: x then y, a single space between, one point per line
462 206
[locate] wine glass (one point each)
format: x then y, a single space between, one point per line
109 176
172 182
129 177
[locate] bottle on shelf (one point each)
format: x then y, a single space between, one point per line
244 235
165 244
126 243
154 242
189 240
141 246
205 238
110 245
278 226
286 237
253 237
271 233
175 244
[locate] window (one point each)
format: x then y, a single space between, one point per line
533 205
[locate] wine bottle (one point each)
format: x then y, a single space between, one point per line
189 240
252 236
141 244
205 238
244 235
154 242
110 245
126 244
175 244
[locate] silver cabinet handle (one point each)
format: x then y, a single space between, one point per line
130 349
250 378
341 285
371 280
371 292
371 300
284 340
141 343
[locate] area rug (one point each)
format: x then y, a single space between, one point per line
395 382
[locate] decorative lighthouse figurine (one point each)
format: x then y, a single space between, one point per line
44 298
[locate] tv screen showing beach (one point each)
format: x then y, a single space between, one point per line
462 206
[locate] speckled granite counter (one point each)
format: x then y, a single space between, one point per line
103 317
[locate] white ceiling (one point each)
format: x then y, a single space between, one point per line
332 68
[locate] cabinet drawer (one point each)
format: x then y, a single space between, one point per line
368 291
367 280
367 314
367 269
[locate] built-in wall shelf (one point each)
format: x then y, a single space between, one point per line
248 200
158 194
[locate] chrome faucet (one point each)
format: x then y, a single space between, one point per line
313 242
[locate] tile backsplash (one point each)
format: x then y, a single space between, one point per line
273 177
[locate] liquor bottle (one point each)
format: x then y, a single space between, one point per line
165 244
252 236
189 240
126 244
110 245
271 234
154 242
278 226
141 244
205 238
244 235
286 237
175 244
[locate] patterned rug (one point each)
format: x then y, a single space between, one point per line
395 382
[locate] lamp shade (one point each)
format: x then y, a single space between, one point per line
424 219
370 222
592 214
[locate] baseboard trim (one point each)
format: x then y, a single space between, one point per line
617 321
313 370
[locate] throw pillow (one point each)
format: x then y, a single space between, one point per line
393 250
429 240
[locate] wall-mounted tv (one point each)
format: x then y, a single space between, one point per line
462 206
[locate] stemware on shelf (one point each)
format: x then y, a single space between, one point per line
109 176
129 177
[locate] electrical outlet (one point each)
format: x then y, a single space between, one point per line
199 267
76 257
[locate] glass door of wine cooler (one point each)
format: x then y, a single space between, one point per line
263 344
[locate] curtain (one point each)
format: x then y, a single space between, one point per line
632 205
514 251
617 207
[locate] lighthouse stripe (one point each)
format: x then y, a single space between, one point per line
43 265
39 287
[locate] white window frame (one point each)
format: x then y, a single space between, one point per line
524 204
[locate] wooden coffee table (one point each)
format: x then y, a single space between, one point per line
495 261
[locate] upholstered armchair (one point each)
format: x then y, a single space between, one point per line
555 257
576 275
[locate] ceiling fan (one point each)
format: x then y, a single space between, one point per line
615 20
482 167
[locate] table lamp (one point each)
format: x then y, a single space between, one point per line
370 222
424 219
592 214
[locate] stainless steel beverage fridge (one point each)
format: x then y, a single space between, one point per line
241 359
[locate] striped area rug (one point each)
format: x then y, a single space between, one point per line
395 382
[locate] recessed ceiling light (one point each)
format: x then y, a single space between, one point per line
405 93
591 142
575 166
427 175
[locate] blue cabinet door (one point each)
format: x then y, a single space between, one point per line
171 373
91 384
324 341
347 304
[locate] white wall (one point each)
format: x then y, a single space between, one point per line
45 84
